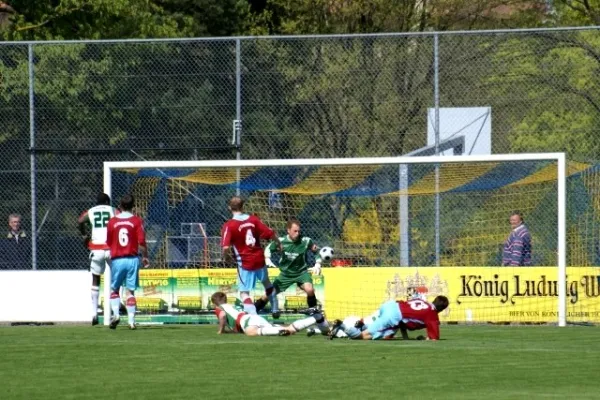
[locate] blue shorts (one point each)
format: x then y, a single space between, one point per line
389 317
125 270
247 279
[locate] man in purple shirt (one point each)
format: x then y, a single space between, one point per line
517 248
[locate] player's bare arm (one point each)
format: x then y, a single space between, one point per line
84 228
222 324
145 258
268 255
277 242
227 257
82 222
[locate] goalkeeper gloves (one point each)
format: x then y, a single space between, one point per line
270 263
316 270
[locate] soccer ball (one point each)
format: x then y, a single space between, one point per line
326 254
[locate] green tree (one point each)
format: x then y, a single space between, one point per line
94 19
212 17
374 16
576 12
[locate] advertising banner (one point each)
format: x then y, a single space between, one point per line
476 294
183 295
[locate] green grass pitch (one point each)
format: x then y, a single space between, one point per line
192 362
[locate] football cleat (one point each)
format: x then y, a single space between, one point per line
310 311
284 332
94 321
260 304
335 328
132 327
276 315
114 321
310 332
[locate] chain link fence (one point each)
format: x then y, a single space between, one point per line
69 106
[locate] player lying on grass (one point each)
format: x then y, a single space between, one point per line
363 322
397 315
233 319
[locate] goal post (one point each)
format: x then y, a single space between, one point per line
344 200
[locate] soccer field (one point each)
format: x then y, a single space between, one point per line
192 362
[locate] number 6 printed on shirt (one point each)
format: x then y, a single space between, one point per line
123 237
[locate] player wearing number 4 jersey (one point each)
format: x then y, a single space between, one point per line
126 238
242 235
92 225
233 319
394 315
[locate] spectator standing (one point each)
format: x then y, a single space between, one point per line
517 248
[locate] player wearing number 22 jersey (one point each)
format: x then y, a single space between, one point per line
92 225
241 235
126 239
393 315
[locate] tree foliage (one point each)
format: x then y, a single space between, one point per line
301 97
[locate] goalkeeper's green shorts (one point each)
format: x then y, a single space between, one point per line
282 282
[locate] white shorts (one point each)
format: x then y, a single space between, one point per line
98 260
253 320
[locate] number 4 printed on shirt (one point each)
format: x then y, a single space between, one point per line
250 239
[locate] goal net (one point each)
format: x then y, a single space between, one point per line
400 227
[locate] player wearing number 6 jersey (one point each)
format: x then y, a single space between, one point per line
241 235
393 315
126 238
92 225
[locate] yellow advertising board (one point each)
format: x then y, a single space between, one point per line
476 294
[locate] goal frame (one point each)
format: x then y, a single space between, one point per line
559 158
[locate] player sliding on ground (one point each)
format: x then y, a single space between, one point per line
397 315
233 319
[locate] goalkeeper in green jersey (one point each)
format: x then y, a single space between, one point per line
293 265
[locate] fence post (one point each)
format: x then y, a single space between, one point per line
238 108
32 158
436 100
